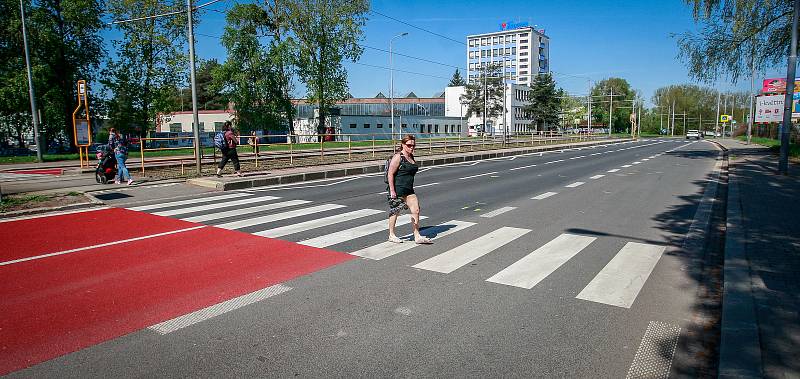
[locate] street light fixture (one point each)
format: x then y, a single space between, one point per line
34 113
391 79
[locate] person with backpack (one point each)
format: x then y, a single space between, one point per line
226 142
113 139
121 153
399 172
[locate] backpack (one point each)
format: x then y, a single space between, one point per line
219 141
386 167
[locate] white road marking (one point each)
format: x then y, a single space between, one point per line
387 249
353 233
613 170
534 267
544 195
637 162
626 165
479 175
51 214
520 168
100 245
244 211
597 177
451 260
498 212
196 200
620 281
222 204
215 310
576 184
278 216
645 160
426 185
316 223
512 158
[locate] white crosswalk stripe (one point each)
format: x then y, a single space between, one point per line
318 223
497 212
620 281
189 201
278 216
534 267
20 177
222 204
387 249
244 211
451 260
544 196
357 232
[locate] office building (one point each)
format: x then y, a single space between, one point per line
523 52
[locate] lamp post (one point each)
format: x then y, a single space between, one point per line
34 114
391 79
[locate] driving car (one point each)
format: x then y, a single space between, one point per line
692 133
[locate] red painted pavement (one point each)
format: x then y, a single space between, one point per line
57 305
44 235
48 171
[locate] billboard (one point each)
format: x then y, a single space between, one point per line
778 85
770 109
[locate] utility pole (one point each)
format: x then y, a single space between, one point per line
716 121
786 126
672 129
195 116
484 99
589 107
610 110
31 93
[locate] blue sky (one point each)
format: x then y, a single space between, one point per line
599 39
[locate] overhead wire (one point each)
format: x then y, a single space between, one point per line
417 27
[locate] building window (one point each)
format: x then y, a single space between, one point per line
524 59
403 126
379 126
508 39
483 41
430 128
494 40
352 126
175 127
523 41
523 53
523 66
472 43
436 128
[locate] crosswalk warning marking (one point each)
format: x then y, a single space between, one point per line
534 267
597 176
217 205
497 212
387 249
620 281
317 223
613 170
357 232
244 211
455 258
573 185
278 216
544 196
189 201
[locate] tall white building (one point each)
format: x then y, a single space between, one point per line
523 51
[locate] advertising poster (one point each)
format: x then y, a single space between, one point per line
82 132
778 85
770 109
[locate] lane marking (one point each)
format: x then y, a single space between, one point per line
206 207
204 199
317 223
613 170
536 266
387 249
576 184
597 177
426 185
479 175
453 259
100 245
498 212
645 160
544 195
620 281
244 211
215 310
353 233
520 168
637 162
278 216
626 165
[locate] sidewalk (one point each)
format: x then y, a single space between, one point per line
760 324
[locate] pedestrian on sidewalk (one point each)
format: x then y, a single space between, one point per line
228 150
121 153
113 139
400 180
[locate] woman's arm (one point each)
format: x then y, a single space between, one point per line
394 164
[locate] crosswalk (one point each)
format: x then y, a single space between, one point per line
324 225
11 177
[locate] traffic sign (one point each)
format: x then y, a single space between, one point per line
724 118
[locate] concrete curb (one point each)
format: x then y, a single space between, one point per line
740 346
377 166
92 203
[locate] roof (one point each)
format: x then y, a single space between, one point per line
372 100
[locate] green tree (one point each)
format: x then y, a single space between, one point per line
736 37
485 93
149 61
573 110
457 80
545 105
209 91
253 76
327 33
622 106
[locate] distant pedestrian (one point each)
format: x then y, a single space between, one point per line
121 153
228 150
400 179
113 139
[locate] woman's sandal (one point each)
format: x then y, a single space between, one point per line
423 241
395 239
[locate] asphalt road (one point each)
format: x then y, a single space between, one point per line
564 264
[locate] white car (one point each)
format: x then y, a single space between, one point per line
691 133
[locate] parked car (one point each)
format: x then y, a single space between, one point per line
693 133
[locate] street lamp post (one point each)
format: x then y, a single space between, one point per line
391 79
34 114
